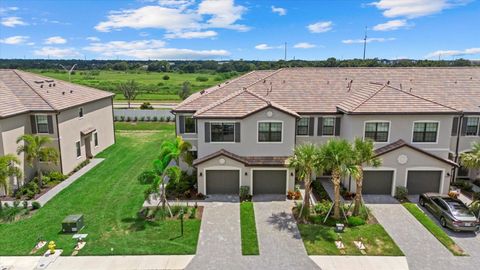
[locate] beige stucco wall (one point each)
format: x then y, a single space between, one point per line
97 115
230 164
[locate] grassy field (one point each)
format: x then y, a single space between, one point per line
143 125
248 229
109 197
152 85
434 229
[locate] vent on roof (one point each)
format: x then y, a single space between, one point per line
49 85
63 93
349 85
38 81
49 81
41 85
203 91
53 84
71 91
400 86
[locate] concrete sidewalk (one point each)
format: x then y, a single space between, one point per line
360 262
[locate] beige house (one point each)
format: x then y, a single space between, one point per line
421 119
78 119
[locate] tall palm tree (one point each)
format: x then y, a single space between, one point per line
471 159
36 150
305 161
337 156
176 149
8 168
364 156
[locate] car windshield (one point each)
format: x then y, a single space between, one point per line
458 208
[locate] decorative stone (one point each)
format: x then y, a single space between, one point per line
269 113
402 159
221 161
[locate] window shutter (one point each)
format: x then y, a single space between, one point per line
207 132
237 132
464 126
50 124
311 125
33 123
320 126
455 126
338 121
181 122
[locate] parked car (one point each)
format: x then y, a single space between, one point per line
452 213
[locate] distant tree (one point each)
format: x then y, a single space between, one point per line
120 66
129 90
184 92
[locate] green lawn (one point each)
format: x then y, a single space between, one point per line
110 197
319 240
434 229
248 229
144 126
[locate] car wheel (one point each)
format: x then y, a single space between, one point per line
443 222
421 202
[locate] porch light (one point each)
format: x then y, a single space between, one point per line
246 173
201 174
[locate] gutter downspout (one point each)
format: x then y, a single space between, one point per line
113 123
459 131
59 145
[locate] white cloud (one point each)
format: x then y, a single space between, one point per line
369 40
55 40
391 25
280 11
150 49
5 10
224 14
12 21
304 45
264 46
57 52
193 34
452 53
14 40
320 27
176 3
94 39
415 8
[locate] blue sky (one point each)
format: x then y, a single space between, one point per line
228 29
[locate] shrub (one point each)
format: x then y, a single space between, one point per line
401 193
162 119
57 176
115 118
463 185
201 79
322 208
146 177
355 221
135 119
81 165
166 77
193 213
128 119
142 118
155 119
36 205
476 196
184 184
122 118
25 204
244 193
146 106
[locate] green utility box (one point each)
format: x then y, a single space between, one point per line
72 223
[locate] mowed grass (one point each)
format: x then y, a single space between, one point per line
248 229
144 126
320 240
434 229
109 196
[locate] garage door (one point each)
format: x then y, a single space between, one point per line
377 182
423 181
222 181
269 182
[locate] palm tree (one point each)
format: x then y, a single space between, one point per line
36 150
8 169
337 156
305 161
177 149
364 156
472 159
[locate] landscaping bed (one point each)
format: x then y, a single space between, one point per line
32 190
248 229
319 191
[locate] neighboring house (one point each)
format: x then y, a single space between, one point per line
79 119
243 131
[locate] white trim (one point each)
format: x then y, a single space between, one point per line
221 168
76 152
334 126
420 168
378 121
271 121
269 169
223 122
184 124
426 121
394 178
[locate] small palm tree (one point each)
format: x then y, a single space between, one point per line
337 156
472 159
8 168
36 150
305 161
364 156
177 149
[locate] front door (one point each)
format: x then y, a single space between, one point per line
88 146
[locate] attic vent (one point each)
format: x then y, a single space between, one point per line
264 81
400 86
63 93
388 82
410 89
349 85
328 82
53 84
49 80
38 81
203 91
49 85
41 85
471 78
71 91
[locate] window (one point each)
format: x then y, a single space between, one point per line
302 126
80 112
463 172
42 123
190 125
223 132
328 126
425 132
472 126
377 131
269 132
79 149
95 139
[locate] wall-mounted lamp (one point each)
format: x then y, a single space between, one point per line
246 173
448 174
291 173
201 174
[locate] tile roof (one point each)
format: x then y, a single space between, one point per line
247 160
22 92
401 143
321 90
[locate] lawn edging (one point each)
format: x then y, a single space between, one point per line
434 229
248 229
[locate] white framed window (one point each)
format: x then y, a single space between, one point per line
303 126
95 139
222 132
328 126
41 121
472 126
269 131
78 149
190 125
377 131
80 112
425 132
